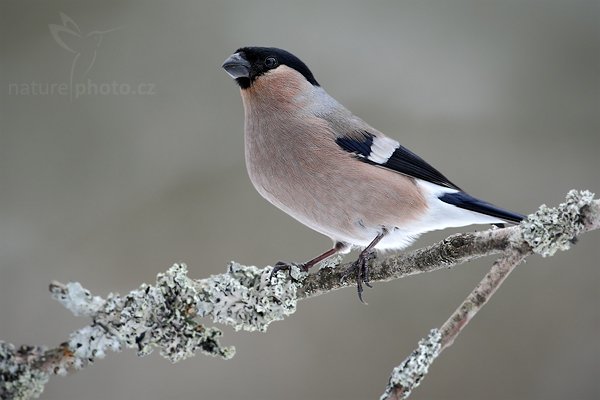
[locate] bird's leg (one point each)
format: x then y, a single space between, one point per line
361 267
285 266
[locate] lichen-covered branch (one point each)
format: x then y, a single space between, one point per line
174 314
167 315
544 232
456 249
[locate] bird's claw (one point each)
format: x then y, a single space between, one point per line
360 267
285 266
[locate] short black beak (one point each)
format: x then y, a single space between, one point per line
237 66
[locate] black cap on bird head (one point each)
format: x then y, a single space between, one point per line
249 63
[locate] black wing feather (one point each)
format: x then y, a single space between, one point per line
359 146
468 202
408 163
402 160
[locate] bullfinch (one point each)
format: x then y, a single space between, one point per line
312 158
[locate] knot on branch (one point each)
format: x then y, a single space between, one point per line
246 299
454 246
551 229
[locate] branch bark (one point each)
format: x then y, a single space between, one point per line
167 315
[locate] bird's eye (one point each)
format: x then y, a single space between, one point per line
271 62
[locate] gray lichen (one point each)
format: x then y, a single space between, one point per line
408 375
551 229
160 316
76 299
19 378
172 326
247 298
165 315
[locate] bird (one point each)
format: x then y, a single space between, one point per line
315 160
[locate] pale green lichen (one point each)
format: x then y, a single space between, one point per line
161 316
174 329
164 316
551 229
247 298
408 375
77 299
331 262
19 379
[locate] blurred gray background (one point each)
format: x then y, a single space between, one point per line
111 188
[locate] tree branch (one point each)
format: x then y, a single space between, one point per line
544 233
169 314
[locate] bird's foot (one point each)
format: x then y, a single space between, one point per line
286 266
360 267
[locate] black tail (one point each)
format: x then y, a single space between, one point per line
468 202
